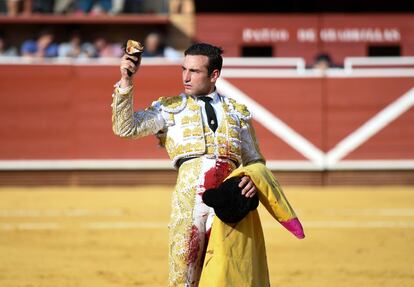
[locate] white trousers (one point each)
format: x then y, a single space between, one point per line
191 219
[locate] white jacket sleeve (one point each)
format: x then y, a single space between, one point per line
249 146
129 124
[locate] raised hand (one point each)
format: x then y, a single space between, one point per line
127 64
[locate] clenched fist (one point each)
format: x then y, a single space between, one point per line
130 61
128 64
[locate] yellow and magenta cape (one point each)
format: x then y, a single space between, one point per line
236 254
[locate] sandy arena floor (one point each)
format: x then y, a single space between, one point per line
117 236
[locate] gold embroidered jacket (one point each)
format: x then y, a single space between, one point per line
177 121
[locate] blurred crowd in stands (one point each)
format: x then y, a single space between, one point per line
94 7
44 46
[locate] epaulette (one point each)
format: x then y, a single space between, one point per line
173 104
241 110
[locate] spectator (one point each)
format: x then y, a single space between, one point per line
6 51
42 6
133 6
76 49
86 6
13 7
105 49
117 6
154 47
322 62
42 47
64 6
3 7
182 6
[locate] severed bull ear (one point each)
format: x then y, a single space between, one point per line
134 48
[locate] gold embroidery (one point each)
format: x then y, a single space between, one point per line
126 123
234 148
209 138
233 133
183 201
210 149
190 119
221 140
221 129
194 108
185 120
222 151
231 120
171 147
171 102
177 150
196 132
193 137
192 105
187 133
240 109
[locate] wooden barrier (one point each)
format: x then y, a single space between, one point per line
61 112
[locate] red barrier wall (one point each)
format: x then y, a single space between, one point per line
63 112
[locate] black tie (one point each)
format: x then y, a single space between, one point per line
211 115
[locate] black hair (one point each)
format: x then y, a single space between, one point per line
323 57
215 60
45 31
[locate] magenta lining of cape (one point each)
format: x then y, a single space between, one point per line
295 227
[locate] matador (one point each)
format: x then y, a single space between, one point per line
207 135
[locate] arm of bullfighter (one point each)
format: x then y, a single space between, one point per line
125 122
